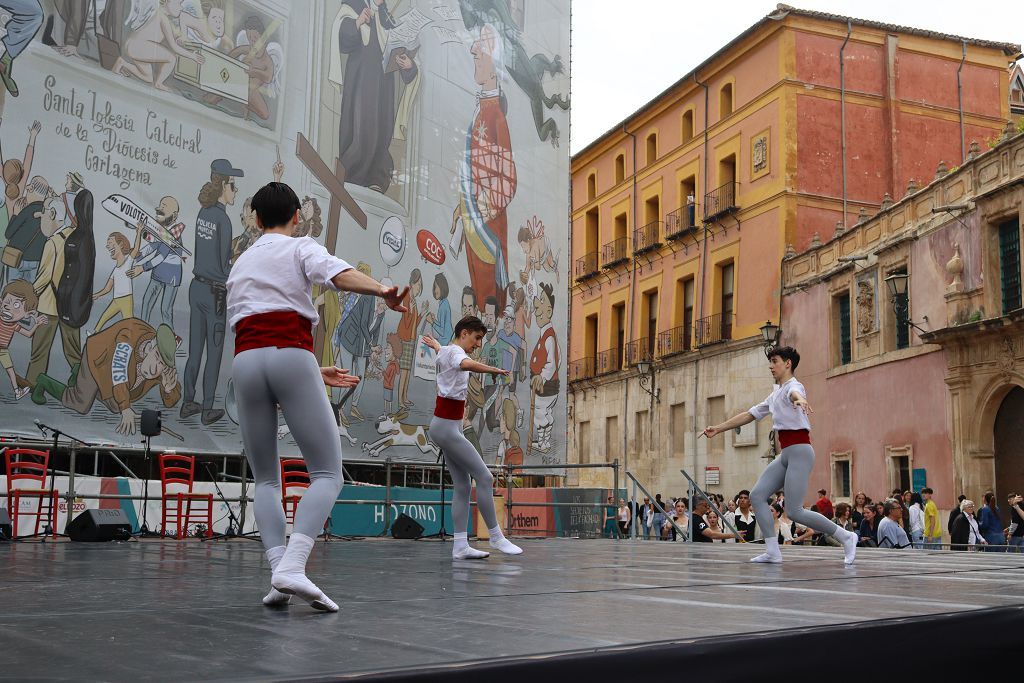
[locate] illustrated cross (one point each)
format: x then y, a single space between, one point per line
335 185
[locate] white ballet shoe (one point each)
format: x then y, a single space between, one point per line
290 576
469 553
767 558
502 544
849 540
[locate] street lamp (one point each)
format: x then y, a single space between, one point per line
770 333
647 379
897 284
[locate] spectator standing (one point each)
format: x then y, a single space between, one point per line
659 518
623 518
824 504
610 528
678 515
890 533
991 524
966 533
860 501
648 518
955 513
932 526
917 520
1016 540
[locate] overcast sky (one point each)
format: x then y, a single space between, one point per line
622 59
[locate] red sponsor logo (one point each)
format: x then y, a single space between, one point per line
430 248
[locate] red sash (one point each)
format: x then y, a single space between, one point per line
792 437
449 408
283 329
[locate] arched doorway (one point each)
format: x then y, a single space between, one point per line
1009 448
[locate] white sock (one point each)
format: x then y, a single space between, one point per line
276 597
462 550
499 542
290 575
772 555
849 541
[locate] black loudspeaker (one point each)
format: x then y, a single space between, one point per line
149 423
100 525
406 527
6 529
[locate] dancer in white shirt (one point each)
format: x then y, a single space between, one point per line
464 461
270 308
788 406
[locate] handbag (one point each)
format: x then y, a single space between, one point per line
11 256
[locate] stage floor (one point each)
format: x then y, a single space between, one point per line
166 610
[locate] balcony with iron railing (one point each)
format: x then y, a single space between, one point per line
586 266
638 350
676 340
609 361
582 368
713 329
615 252
719 201
647 238
681 221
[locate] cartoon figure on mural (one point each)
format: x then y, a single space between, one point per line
544 364
120 280
356 336
206 294
264 62
163 262
408 328
76 14
487 176
310 221
509 450
215 36
539 255
441 323
153 48
18 304
25 239
26 18
369 116
74 290
392 352
527 72
15 178
121 365
398 433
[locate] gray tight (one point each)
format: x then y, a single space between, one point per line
788 472
265 378
464 462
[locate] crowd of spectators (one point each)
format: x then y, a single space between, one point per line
905 519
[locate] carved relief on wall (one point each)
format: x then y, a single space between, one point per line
1006 357
760 154
865 306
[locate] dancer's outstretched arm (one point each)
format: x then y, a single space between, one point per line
352 280
731 423
338 377
467 363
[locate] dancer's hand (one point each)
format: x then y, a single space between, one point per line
710 432
801 403
431 342
337 377
499 372
394 298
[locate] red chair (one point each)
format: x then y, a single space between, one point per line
26 478
293 476
179 471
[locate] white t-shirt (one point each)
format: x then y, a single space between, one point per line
122 283
277 273
452 380
784 414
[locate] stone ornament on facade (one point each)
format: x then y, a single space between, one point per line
840 229
1006 358
815 241
886 201
942 170
955 267
912 186
973 151
865 307
760 153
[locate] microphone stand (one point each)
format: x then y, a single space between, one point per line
48 529
234 526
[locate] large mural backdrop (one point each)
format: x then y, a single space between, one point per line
426 137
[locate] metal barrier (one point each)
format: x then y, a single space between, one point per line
696 490
70 495
636 483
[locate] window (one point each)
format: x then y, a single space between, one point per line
899 467
621 226
640 424
687 126
620 168
841 306
650 309
841 486
727 275
716 415
652 148
611 438
590 336
903 327
591 187
678 430
688 199
593 236
688 295
619 334
1009 264
652 210
725 101
583 452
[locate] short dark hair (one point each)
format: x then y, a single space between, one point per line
491 301
744 492
275 204
822 491
415 276
471 292
470 323
927 489
549 292
785 353
961 498
842 508
889 507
